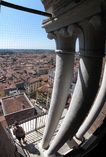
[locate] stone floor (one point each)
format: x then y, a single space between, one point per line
31 149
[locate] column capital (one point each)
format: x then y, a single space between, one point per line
65 41
65 52
51 35
92 41
74 30
62 32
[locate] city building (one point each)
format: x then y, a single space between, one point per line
17 108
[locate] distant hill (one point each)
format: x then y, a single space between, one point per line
31 51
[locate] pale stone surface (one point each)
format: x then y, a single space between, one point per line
62 81
95 110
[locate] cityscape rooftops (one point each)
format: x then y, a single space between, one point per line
45 88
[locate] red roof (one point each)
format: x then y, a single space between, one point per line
15 103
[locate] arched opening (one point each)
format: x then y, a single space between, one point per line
77 46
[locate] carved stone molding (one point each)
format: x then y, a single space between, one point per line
74 30
92 41
64 41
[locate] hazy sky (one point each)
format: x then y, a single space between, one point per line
20 29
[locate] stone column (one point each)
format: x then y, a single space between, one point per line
7 147
91 52
95 110
63 77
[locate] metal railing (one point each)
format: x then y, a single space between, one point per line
29 125
29 10
33 123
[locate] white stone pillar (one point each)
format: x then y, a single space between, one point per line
83 96
95 110
62 81
92 49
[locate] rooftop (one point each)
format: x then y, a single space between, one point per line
15 103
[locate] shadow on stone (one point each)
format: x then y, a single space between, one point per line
31 149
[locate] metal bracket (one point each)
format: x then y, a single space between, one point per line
29 10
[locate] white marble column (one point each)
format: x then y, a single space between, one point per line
63 76
83 96
95 110
92 51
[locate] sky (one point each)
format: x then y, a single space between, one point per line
23 30
20 29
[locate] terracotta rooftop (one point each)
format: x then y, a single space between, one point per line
15 103
33 80
45 88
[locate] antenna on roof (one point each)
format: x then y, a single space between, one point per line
18 7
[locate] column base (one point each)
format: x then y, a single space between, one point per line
45 153
82 139
41 150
